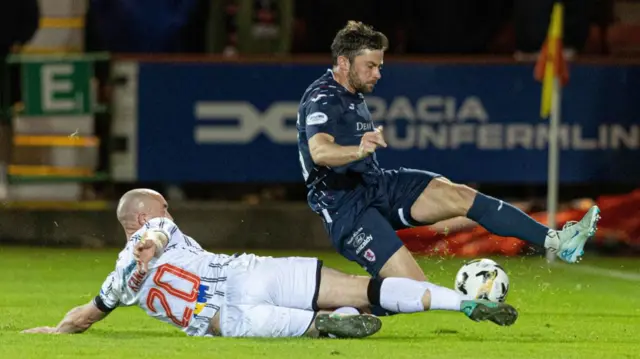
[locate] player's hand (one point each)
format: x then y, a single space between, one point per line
370 142
40 330
143 252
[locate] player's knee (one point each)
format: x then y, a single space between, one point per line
462 197
442 199
402 264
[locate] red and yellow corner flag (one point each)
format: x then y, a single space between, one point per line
551 63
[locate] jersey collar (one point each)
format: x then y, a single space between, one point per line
330 74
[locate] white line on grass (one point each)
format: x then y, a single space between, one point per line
611 273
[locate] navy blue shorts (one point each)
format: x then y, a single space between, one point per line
363 230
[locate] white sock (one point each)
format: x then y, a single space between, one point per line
402 295
445 299
553 240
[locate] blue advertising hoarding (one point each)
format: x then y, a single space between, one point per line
223 122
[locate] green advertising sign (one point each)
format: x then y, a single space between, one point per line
57 87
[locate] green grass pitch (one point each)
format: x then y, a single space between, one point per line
588 310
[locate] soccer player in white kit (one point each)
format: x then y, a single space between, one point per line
170 276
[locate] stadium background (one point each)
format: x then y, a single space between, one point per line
100 96
197 99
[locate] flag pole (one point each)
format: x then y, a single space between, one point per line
551 70
553 160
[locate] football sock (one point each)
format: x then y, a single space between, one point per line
445 299
381 312
503 219
403 295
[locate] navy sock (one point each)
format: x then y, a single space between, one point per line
505 220
378 311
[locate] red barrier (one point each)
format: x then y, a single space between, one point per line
619 227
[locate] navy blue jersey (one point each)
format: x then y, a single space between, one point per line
327 107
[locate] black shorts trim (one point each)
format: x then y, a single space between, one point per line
101 306
314 301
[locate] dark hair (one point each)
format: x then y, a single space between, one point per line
356 37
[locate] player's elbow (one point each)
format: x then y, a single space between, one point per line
319 146
319 157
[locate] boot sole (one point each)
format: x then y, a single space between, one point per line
348 326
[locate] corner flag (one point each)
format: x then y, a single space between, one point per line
551 63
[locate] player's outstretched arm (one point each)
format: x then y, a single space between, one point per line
77 320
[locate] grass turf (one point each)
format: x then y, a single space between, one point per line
565 312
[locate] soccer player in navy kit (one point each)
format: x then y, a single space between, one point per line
361 204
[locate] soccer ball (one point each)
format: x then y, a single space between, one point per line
483 279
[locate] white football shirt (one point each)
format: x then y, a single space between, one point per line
184 287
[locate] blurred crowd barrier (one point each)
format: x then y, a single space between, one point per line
292 226
233 226
241 27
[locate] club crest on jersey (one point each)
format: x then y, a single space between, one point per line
317 118
201 302
369 255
